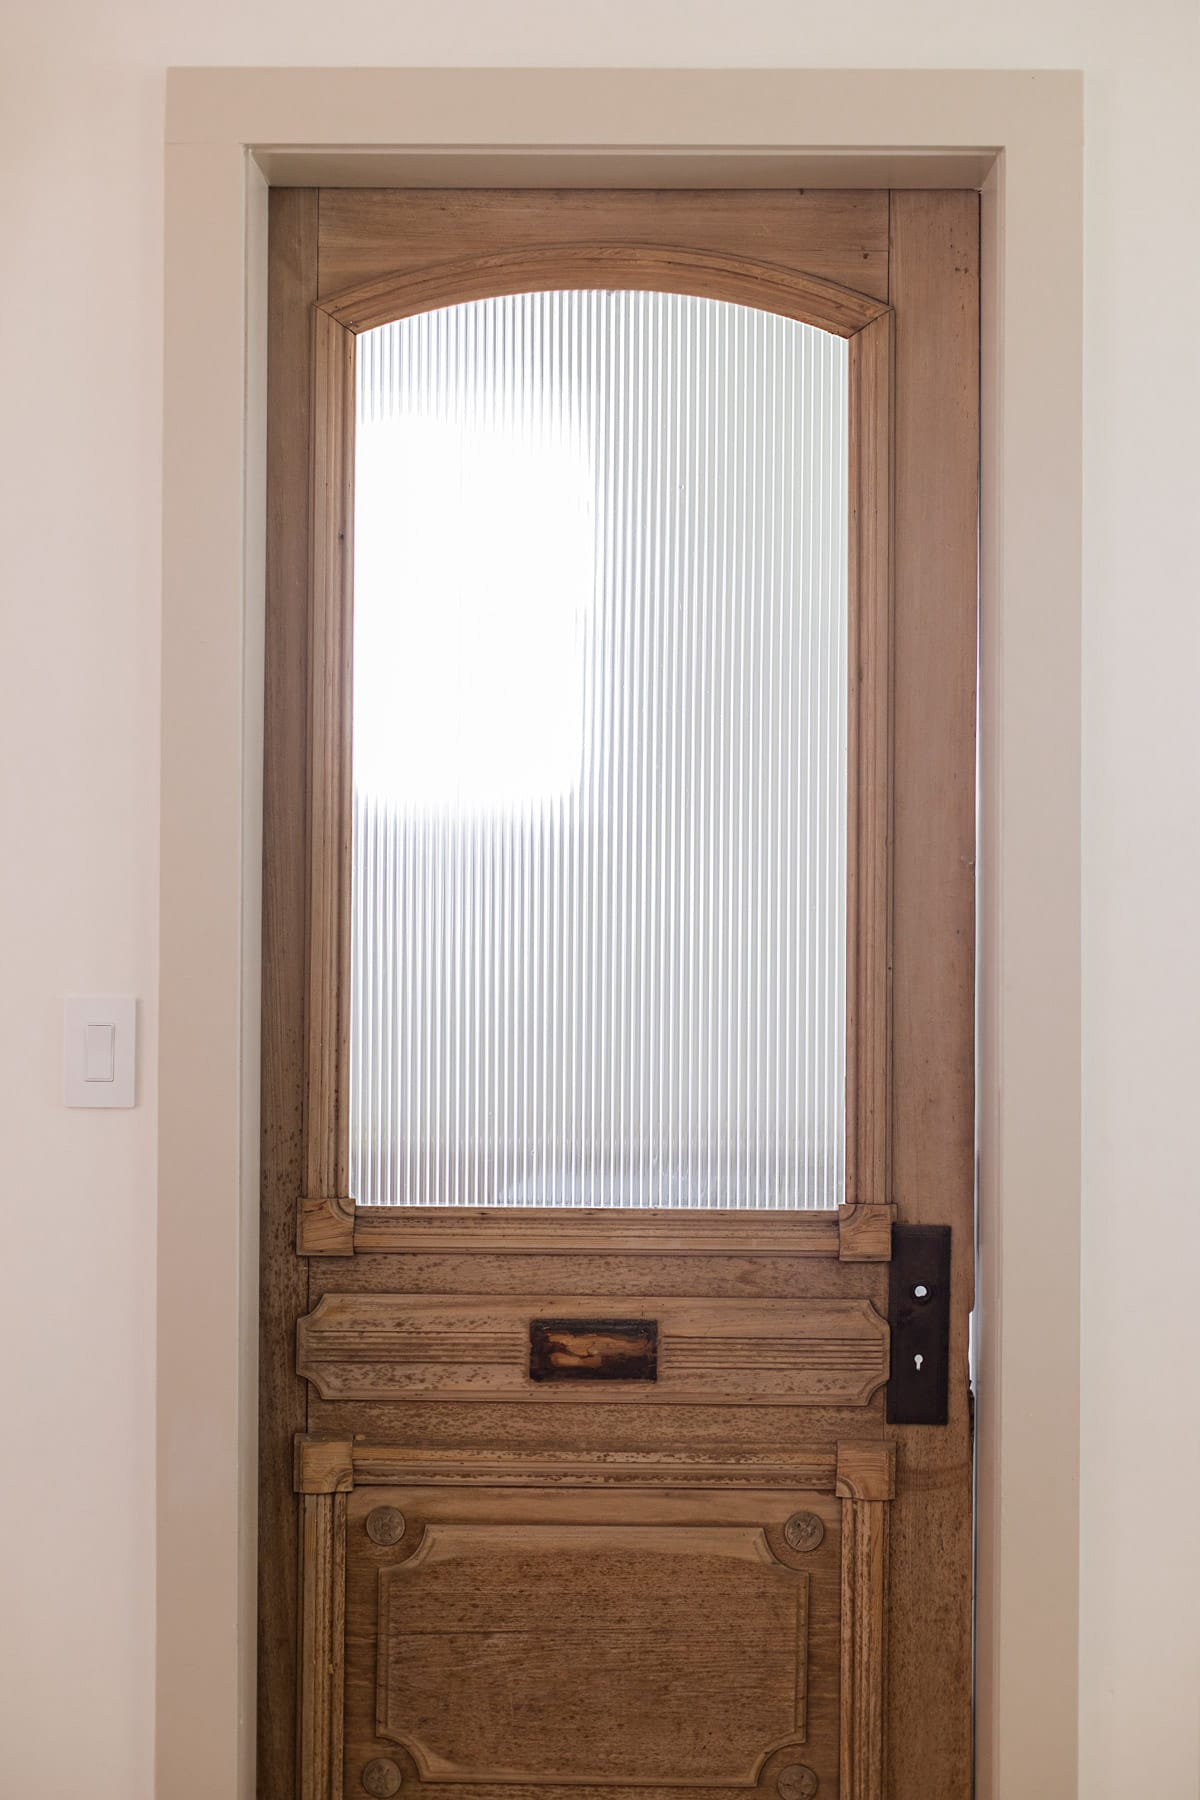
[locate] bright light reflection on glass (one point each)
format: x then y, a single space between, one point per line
474 574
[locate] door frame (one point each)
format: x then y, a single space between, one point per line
231 133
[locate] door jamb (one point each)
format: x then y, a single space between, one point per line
1030 125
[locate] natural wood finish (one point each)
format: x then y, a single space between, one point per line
864 1640
839 236
322 1645
812 1468
586 1615
685 1437
322 1463
329 812
283 1279
866 1471
325 1227
736 1455
935 261
868 825
578 1230
609 1271
865 1233
756 1353
654 268
648 1591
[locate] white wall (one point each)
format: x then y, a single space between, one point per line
81 114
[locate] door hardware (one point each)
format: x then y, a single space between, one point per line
919 1315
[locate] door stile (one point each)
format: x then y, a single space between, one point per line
284 1277
935 292
326 1220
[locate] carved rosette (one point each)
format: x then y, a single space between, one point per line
385 1525
803 1532
797 1782
381 1778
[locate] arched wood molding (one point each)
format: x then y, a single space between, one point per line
652 268
328 1222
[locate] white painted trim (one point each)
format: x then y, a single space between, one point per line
305 122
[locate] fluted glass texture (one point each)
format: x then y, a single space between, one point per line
599 863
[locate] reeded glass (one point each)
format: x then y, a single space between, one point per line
599 756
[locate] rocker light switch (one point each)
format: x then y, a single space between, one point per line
99 1050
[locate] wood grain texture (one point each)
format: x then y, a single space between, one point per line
603 1271
391 1347
283 1281
838 236
324 1227
935 239
574 1231
865 1232
322 1463
869 806
811 1467
552 1638
683 1437
330 810
652 268
520 1593
503 1465
864 1647
866 1470
322 1645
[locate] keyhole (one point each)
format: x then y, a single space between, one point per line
917 1361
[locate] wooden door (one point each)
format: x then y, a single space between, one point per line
586 1502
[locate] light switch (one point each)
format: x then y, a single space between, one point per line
99 1050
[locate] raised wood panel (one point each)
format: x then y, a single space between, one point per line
628 1642
480 1610
368 233
761 1353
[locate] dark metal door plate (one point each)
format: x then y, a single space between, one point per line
919 1315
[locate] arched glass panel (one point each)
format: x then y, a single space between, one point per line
599 866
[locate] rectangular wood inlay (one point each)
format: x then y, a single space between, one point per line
593 1350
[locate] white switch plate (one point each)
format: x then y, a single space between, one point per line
99 1050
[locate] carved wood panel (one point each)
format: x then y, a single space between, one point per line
752 1353
617 1632
567 1639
